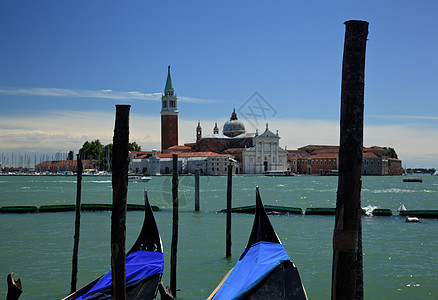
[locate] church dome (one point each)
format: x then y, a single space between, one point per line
233 127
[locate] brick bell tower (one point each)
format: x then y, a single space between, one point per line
169 116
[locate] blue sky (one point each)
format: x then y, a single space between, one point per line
64 65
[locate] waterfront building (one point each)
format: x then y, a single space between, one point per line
254 153
208 163
61 166
265 156
324 160
233 139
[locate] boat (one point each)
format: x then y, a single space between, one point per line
436 173
135 178
412 220
413 179
279 173
401 207
264 270
144 266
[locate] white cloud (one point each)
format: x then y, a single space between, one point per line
98 94
403 117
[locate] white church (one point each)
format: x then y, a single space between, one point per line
266 156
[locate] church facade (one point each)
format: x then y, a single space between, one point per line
266 156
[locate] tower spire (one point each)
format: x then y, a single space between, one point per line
169 85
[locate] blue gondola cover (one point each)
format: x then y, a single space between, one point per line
136 270
253 267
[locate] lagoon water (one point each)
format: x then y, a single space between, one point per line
400 259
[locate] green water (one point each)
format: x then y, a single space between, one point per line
400 259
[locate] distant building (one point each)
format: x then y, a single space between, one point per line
233 136
59 166
208 163
324 160
265 156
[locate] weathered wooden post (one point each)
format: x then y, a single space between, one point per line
196 190
229 200
120 162
347 278
74 273
174 246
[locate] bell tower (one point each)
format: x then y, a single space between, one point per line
198 132
169 115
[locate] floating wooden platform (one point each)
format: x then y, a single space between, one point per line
413 179
56 208
18 209
331 211
63 208
324 211
269 209
428 214
381 212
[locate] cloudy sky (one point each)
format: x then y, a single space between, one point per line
64 66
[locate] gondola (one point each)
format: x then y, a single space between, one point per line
264 270
144 266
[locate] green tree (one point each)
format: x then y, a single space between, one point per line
91 150
134 147
391 152
70 155
103 154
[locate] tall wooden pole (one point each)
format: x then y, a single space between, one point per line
229 199
174 246
120 162
74 273
347 258
196 190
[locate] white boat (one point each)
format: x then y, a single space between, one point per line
436 173
402 207
412 219
135 178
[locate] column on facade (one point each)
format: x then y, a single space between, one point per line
262 157
271 157
256 160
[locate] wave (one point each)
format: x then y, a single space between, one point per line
369 209
392 190
100 181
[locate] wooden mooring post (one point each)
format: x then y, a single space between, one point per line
174 245
229 205
197 190
74 272
347 277
120 162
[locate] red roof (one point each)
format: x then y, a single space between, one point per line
193 154
179 147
